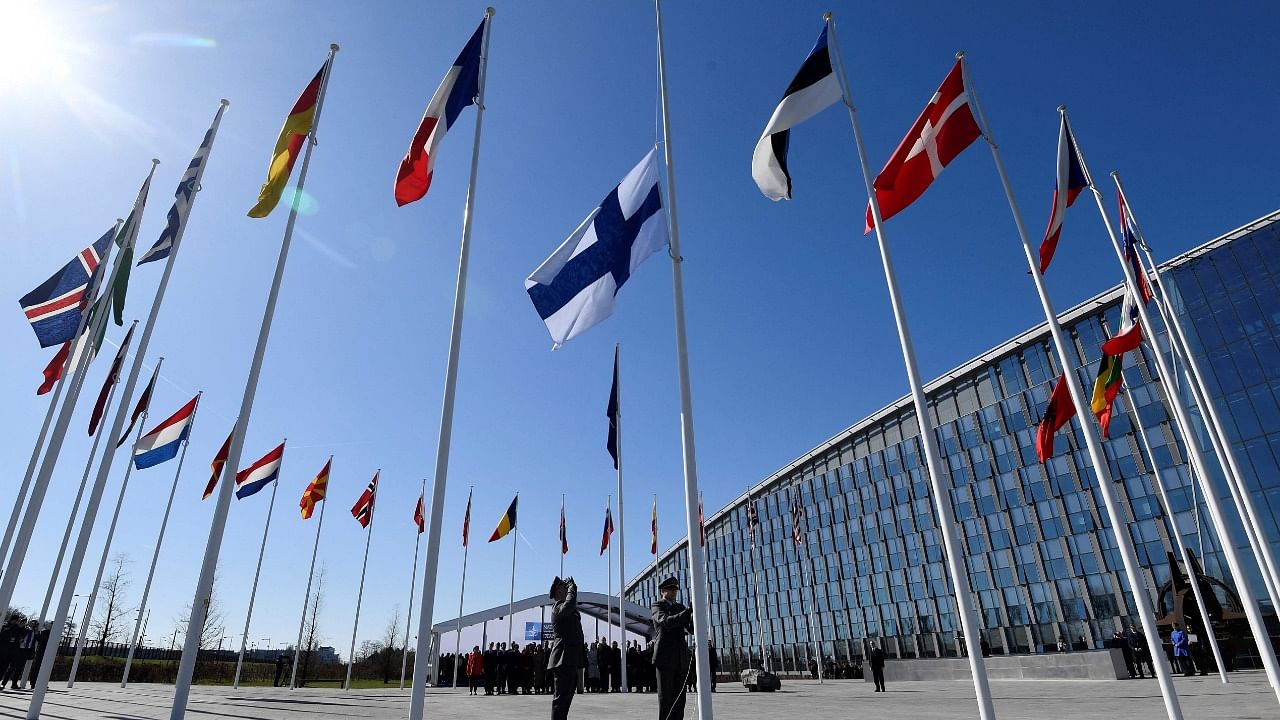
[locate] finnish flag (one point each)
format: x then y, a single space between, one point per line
574 288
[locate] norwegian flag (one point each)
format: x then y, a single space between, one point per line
753 519
1072 178
608 530
54 308
419 518
1130 230
466 521
798 520
943 131
362 511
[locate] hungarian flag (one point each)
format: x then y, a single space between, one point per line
219 461
507 523
1072 178
1057 414
466 521
315 491
362 511
753 519
1105 388
608 530
419 518
564 534
1129 337
1129 228
653 529
459 89
260 474
614 413
113 376
943 131
288 146
144 404
53 371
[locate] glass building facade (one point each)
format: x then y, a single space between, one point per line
1039 551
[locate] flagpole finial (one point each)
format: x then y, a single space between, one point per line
224 102
959 54
490 11
826 16
333 47
1115 174
1062 109
154 162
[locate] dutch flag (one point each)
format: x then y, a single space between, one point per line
260 474
163 442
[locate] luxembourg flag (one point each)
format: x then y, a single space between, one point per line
260 474
163 442
459 89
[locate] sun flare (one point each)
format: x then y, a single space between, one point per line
31 50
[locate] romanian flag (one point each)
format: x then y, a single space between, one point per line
219 461
315 492
507 523
1105 388
288 146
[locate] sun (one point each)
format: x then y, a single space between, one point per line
31 50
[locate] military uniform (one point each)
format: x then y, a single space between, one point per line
567 649
672 624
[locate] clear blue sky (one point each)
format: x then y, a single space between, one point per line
791 336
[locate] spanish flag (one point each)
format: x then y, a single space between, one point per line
507 523
294 133
315 492
1105 389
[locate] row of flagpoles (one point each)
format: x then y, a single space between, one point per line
627 227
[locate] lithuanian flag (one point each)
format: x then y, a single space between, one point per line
294 133
1105 389
507 523
315 492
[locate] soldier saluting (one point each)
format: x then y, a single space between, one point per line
569 647
672 624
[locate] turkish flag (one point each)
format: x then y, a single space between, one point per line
943 131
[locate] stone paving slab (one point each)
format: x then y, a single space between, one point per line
1247 697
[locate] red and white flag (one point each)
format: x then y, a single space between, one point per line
943 131
362 511
418 515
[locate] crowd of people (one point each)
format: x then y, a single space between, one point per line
1189 655
22 643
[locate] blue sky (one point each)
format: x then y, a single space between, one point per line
790 333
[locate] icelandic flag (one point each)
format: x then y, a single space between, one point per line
1072 178
260 474
182 199
574 288
459 89
162 443
53 309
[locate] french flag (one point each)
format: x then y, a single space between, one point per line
1072 178
260 474
162 443
459 89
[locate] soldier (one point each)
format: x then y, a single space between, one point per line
567 649
672 624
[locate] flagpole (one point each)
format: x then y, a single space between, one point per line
608 604
368 539
306 598
802 550
432 561
1119 525
755 572
511 603
413 584
1222 446
937 471
462 593
81 364
562 535
253 592
204 586
622 573
1238 571
16 514
697 571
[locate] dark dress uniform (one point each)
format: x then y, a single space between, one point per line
567 650
672 624
875 658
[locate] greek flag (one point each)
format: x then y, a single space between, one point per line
182 200
574 288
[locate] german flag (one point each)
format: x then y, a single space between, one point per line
507 523
1105 388
219 460
315 492
294 133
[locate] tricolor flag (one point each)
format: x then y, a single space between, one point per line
297 126
1129 337
1057 414
943 131
613 412
182 199
813 90
163 442
1105 388
53 371
799 521
219 461
564 534
460 87
315 492
653 529
507 523
54 308
574 288
466 521
362 511
1072 178
608 530
143 405
260 474
1130 231
419 513
113 376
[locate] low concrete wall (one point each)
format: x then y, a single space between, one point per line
1105 664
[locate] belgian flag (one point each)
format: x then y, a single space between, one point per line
507 523
288 146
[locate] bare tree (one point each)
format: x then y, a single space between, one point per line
389 636
311 635
214 619
111 619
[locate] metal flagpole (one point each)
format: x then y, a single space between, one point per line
76 367
608 603
562 530
622 573
1222 446
431 563
253 592
164 523
204 586
462 593
306 598
368 539
16 514
697 569
939 478
1238 572
810 618
1177 537
1119 525
511 602
755 573
413 584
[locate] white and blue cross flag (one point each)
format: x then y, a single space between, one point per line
182 200
574 288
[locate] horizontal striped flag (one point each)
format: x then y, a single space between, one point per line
163 442
54 308
297 126
507 523
260 474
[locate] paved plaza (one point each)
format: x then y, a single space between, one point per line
1246 698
